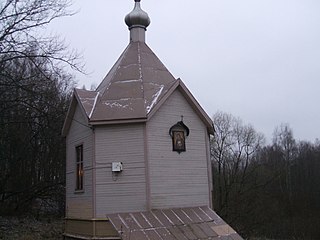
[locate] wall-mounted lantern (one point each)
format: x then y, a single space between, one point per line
178 133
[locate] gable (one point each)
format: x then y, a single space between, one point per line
169 170
84 109
193 103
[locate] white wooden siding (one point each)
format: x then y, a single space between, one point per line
126 191
79 205
177 180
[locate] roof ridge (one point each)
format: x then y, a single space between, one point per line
112 71
140 71
134 85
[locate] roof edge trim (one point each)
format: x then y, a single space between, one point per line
197 107
106 80
163 99
190 99
71 110
67 120
112 122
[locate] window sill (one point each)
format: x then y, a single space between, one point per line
78 191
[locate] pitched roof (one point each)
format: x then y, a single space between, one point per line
171 224
88 100
132 91
133 86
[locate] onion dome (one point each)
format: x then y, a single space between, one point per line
137 17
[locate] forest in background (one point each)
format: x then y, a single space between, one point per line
270 190
35 89
265 190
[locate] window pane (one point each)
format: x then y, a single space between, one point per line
79 167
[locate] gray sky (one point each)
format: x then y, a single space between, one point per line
256 59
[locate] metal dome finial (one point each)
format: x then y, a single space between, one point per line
137 21
137 17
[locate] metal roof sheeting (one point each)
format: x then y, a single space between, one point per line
134 85
170 224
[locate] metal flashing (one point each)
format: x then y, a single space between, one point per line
171 224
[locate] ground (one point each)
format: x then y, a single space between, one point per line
26 228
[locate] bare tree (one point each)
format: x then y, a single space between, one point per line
285 143
32 150
265 191
34 95
233 149
20 25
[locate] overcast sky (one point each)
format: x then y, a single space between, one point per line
256 59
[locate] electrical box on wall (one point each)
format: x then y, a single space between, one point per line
116 166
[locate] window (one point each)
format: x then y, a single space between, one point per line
178 133
79 166
178 141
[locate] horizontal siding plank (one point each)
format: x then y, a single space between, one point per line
177 180
125 191
170 201
79 208
79 205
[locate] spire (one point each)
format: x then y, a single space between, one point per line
137 21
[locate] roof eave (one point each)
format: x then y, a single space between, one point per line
116 121
197 107
68 119
163 99
71 110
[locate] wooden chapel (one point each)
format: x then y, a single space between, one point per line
138 156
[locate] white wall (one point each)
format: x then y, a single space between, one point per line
79 204
177 180
145 149
126 191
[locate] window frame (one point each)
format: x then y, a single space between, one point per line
179 132
178 141
79 183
